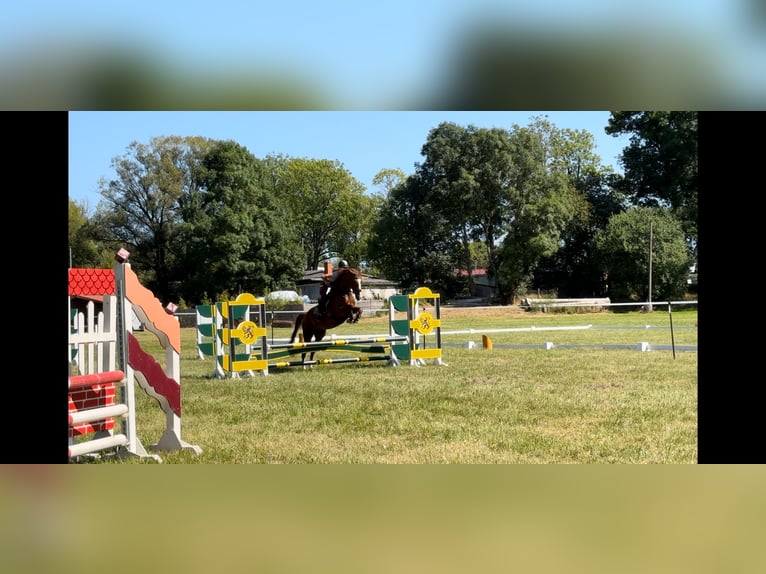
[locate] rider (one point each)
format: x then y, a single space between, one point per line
327 281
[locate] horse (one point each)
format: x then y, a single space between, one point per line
341 307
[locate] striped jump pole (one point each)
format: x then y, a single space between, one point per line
370 345
301 345
284 364
78 381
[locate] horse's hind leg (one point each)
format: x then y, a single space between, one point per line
318 336
311 358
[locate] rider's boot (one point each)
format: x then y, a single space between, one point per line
322 307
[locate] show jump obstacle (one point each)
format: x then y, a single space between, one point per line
109 362
234 333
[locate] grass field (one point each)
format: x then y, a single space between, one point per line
515 403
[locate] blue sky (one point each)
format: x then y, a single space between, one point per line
364 142
366 55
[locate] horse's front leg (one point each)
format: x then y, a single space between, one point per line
311 358
356 315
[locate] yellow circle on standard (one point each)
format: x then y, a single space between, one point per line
426 323
248 332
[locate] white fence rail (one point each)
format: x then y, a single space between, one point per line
470 344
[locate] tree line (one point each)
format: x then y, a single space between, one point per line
533 205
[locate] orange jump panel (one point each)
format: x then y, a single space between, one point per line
140 296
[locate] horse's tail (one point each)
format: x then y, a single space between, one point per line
298 322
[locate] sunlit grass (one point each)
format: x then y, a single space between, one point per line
504 405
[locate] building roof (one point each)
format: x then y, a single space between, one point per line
474 272
91 282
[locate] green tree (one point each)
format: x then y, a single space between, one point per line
139 209
235 237
388 179
660 162
479 255
471 171
543 205
351 241
476 185
624 246
572 271
84 250
328 206
411 242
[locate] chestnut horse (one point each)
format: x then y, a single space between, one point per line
341 307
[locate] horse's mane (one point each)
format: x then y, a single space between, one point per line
346 271
346 278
